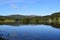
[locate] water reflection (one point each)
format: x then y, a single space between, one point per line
12 36
7 35
12 24
2 38
18 24
30 32
54 25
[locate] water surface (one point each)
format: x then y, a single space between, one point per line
30 32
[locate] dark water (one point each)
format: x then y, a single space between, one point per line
30 32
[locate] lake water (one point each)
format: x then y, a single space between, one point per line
29 32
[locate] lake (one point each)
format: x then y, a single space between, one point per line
30 32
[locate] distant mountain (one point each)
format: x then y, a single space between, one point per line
16 16
12 17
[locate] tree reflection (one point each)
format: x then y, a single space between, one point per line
13 24
55 25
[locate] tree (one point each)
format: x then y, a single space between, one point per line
1 19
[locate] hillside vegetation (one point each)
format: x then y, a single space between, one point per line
55 18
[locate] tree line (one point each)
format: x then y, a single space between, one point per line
55 17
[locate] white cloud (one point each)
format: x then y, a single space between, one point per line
13 5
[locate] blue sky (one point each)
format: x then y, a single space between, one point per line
29 7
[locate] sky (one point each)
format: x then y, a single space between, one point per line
29 7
